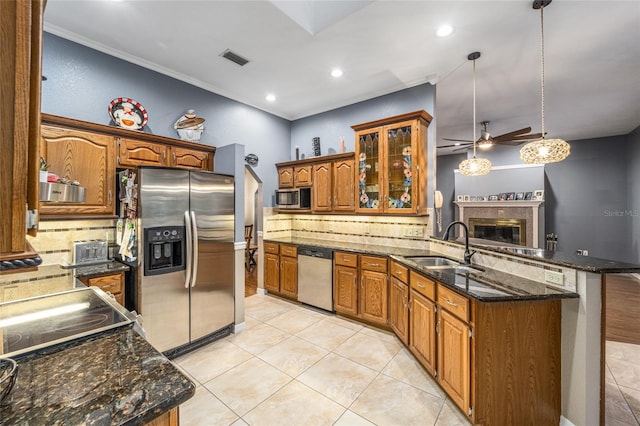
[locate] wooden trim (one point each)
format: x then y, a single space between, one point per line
603 340
322 159
423 115
120 132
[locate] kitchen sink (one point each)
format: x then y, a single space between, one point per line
433 261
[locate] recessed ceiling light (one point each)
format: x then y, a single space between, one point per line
444 30
270 97
336 72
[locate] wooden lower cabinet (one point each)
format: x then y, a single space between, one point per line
399 309
170 418
361 287
454 361
281 269
422 331
112 284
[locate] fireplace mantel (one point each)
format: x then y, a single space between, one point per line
532 210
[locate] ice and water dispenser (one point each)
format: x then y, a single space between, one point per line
164 249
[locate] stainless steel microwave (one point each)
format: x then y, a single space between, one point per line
298 198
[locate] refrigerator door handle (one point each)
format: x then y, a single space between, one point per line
194 255
189 258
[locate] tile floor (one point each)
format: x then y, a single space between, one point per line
622 384
297 366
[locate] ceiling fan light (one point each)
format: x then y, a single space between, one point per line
485 145
475 167
545 151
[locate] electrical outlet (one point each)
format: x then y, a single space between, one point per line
10 293
418 231
408 232
553 277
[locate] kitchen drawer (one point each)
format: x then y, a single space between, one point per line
453 302
400 272
423 285
373 263
286 250
271 248
346 259
108 283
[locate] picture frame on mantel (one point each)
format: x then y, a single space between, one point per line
538 195
528 195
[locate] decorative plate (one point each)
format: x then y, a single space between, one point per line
128 114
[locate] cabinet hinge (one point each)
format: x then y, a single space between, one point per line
470 333
118 159
470 411
32 219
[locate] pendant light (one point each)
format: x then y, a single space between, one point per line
544 151
474 166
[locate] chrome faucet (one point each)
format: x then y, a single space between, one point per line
467 253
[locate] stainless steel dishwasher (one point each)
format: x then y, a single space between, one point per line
315 277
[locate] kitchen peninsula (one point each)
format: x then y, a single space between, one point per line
513 317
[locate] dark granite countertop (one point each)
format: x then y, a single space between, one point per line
486 285
112 378
569 260
101 269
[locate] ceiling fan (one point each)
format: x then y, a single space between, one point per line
486 141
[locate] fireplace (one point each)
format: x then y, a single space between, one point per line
511 231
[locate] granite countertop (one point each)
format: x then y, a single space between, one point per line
108 267
486 285
569 260
111 378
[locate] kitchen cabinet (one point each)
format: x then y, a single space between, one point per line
170 418
111 283
281 269
294 176
132 152
392 164
187 158
333 186
454 335
399 301
422 321
20 77
87 157
369 300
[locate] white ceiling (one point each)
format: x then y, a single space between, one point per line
592 55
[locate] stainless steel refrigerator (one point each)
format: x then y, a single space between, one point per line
186 251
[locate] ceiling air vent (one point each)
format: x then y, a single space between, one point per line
233 57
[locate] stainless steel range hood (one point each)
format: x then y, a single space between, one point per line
61 193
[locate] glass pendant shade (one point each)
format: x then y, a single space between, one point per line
475 167
545 151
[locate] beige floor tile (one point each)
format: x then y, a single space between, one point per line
259 338
293 355
245 386
338 378
326 334
607 374
267 309
346 322
251 322
626 373
239 422
632 396
205 409
294 320
368 350
386 336
349 418
390 402
451 416
405 368
186 373
212 360
623 351
295 404
616 407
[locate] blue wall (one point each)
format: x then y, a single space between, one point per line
633 194
81 82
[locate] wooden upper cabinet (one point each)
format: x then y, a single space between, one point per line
392 164
190 159
86 157
285 177
133 153
322 195
343 186
302 176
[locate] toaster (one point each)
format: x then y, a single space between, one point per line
85 252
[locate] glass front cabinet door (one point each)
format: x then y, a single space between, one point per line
392 173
